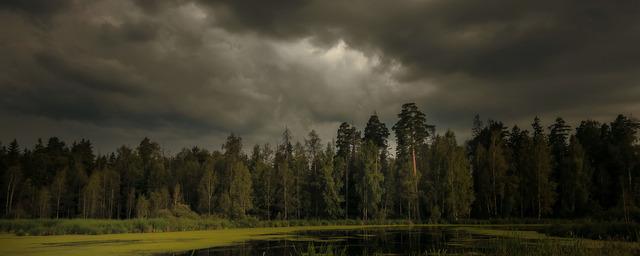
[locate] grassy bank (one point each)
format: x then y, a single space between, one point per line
139 244
505 242
560 228
101 226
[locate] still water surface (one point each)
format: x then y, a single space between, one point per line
370 241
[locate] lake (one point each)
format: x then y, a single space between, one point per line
387 241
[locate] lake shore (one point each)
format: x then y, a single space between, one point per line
145 243
168 242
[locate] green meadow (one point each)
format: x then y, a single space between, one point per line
141 243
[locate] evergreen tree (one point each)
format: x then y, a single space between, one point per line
624 163
331 182
411 133
128 166
13 176
497 167
489 162
592 136
284 189
377 132
594 172
541 165
558 141
264 182
577 178
449 179
519 145
301 203
239 186
369 181
347 145
154 172
313 193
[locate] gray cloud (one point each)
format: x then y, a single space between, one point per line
189 72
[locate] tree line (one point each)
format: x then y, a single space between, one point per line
555 171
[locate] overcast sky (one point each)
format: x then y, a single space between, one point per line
188 73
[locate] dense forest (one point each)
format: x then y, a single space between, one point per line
543 172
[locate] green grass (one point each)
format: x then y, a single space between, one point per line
524 242
26 227
141 243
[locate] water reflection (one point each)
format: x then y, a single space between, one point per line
388 241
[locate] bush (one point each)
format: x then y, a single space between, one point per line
183 211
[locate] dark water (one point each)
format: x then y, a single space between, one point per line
370 241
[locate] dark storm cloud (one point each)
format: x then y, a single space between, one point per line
505 59
35 7
189 72
483 38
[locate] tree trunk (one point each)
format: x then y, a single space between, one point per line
285 196
346 197
8 201
539 197
415 184
58 205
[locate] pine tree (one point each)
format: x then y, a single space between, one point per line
411 133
